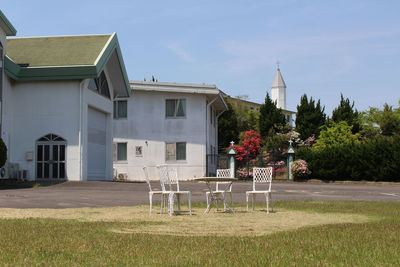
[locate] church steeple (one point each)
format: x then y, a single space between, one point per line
278 89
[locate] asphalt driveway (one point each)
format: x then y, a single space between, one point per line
100 193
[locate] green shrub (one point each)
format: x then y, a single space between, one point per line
373 160
3 153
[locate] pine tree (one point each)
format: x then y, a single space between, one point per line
227 128
271 117
346 112
309 118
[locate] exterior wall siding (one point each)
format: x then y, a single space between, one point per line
147 126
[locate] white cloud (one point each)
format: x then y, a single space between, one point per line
249 55
182 53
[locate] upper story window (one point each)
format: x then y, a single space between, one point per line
100 85
175 108
120 109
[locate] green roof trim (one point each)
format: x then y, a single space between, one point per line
6 25
90 66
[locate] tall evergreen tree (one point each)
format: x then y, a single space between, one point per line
227 128
309 118
389 121
346 112
271 117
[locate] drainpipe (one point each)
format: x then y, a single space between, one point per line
80 129
216 128
207 108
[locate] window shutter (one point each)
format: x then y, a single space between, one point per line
170 152
115 152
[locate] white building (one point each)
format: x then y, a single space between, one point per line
56 105
278 95
167 123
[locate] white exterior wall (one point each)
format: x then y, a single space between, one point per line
148 127
34 109
212 139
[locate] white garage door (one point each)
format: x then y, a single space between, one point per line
96 145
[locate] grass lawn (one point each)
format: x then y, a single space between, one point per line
299 233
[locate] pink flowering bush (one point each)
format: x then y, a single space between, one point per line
300 169
242 173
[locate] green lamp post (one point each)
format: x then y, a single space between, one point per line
290 158
232 159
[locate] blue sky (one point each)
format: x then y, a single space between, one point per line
325 47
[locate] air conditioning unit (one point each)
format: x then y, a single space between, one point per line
13 169
23 175
122 176
4 171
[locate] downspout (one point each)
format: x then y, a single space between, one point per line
80 130
216 128
207 108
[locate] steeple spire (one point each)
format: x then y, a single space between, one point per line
278 79
278 89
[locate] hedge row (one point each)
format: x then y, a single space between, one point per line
373 160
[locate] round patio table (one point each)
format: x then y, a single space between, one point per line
214 198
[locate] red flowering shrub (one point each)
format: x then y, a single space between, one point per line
250 143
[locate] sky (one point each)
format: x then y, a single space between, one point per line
325 48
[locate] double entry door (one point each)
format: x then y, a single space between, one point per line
50 159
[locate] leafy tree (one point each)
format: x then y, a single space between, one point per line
3 153
336 134
271 117
369 120
346 112
309 118
376 122
227 128
389 121
247 118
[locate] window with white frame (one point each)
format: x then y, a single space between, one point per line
175 108
120 152
120 109
175 151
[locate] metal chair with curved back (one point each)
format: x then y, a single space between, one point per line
163 175
172 182
222 192
151 192
261 176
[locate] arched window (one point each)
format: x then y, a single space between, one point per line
1 81
100 85
50 157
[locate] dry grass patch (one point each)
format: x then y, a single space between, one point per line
241 223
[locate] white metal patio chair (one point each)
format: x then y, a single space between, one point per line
221 188
174 190
261 176
152 192
163 175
